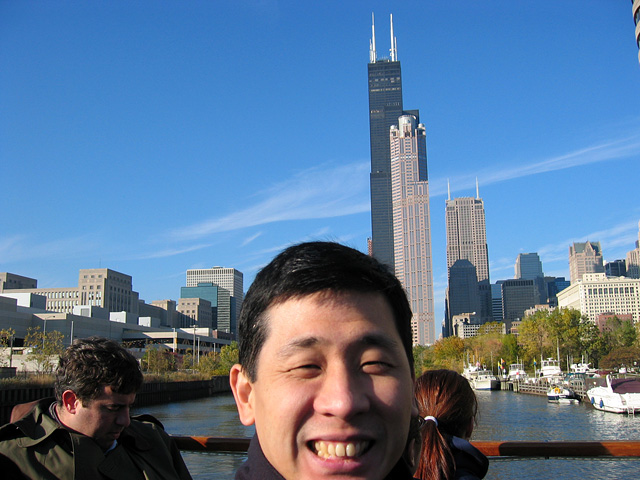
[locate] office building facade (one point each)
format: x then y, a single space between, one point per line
99 287
467 234
412 224
517 296
230 293
528 266
467 240
584 257
596 294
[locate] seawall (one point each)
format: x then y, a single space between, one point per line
150 393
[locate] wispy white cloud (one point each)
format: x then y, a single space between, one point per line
611 150
250 239
319 192
168 252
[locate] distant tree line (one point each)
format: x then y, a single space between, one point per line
541 335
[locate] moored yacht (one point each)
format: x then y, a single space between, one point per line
562 394
618 395
484 380
550 368
516 372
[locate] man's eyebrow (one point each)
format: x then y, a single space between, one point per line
379 340
368 340
296 345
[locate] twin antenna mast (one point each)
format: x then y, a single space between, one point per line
372 43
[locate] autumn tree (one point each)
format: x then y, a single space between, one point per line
158 360
448 353
622 356
219 363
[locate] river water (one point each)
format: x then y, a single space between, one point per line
502 416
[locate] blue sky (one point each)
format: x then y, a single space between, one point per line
151 137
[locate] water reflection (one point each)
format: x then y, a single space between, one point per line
502 416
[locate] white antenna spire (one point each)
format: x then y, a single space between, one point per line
477 190
448 190
372 41
394 44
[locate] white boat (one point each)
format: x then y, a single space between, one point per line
516 372
619 395
562 394
550 368
484 380
583 368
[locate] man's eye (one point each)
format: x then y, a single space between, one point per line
307 370
376 368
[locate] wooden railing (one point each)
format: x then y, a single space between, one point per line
608 448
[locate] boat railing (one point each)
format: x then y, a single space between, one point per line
520 449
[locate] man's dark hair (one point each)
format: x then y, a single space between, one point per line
309 268
93 363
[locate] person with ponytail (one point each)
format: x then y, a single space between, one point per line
448 409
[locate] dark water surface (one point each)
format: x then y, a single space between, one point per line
503 416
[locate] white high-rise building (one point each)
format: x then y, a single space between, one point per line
411 223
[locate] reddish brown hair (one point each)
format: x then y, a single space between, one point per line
447 396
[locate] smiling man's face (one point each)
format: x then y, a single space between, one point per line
333 390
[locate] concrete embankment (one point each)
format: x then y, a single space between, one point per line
150 393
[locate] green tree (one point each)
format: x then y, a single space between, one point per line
533 335
6 342
423 359
45 348
592 342
510 350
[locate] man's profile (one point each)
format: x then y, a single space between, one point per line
325 367
86 431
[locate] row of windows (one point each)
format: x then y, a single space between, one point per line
611 291
71 294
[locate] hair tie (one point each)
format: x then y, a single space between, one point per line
433 419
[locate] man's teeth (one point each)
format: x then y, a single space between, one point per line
339 449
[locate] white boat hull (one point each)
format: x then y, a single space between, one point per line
606 399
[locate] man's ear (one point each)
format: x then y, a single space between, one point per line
70 401
243 394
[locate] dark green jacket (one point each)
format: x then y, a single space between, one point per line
37 447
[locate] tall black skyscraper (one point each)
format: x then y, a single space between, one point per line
385 106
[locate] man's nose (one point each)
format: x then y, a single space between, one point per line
123 419
341 394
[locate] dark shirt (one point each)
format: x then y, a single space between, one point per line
471 463
257 467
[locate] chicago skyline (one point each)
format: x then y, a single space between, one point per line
221 133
